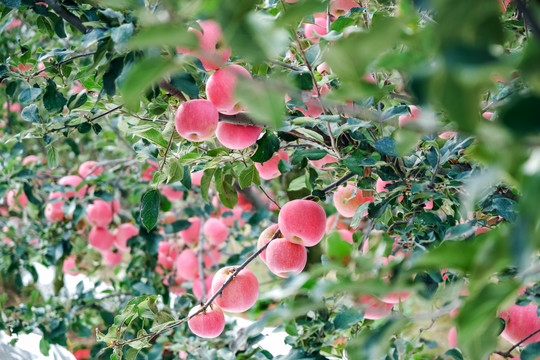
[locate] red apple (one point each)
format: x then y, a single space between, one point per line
221 87
240 294
374 308
86 167
313 31
187 265
215 231
344 201
73 181
413 117
269 169
325 160
196 120
341 7
265 237
302 222
99 213
237 137
212 50
285 258
101 239
209 323
171 194
191 234
521 321
123 233
197 286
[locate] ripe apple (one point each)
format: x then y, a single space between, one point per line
285 258
240 294
237 137
325 160
196 177
53 210
344 201
452 337
171 194
265 237
302 222
11 195
341 7
413 117
521 321
148 174
209 323
99 213
212 50
215 231
313 31
221 87
191 234
196 120
374 308
73 181
197 286
123 233
87 166
69 265
112 258
269 169
187 265
101 239
30 160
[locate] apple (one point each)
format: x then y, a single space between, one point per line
341 7
344 201
265 237
196 120
221 87
313 104
333 222
123 233
285 258
69 265
452 337
215 231
53 210
196 177
73 181
374 308
13 200
325 160
87 166
313 31
30 160
237 137
100 239
191 234
269 169
197 286
187 265
240 294
207 324
171 194
99 213
211 256
212 50
447 135
521 321
148 174
112 258
302 222
413 117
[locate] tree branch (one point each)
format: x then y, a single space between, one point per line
507 353
75 21
528 16
61 63
201 263
168 87
89 120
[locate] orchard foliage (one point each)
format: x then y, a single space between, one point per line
148 144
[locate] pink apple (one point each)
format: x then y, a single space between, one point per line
269 169
171 194
15 107
215 231
112 258
447 135
196 177
237 137
115 206
488 115
99 213
374 308
191 234
88 168
212 50
101 239
265 237
341 7
327 159
240 294
452 337
197 286
69 265
122 234
211 257
285 258
148 174
73 181
313 31
521 321
196 120
187 265
30 160
323 68
333 222
302 222
344 201
313 104
13 200
413 117
236 217
221 87
209 323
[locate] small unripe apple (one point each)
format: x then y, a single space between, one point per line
374 308
285 258
413 117
240 294
196 120
187 265
86 167
302 222
215 231
221 87
74 181
237 137
191 234
197 286
101 239
269 169
209 323
265 237
99 213
123 233
344 201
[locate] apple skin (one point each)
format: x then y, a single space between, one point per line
325 160
148 174
268 170
112 258
68 266
99 213
212 50
196 120
191 234
209 323
101 239
313 31
452 337
237 137
197 287
30 160
314 108
196 177
215 231
221 87
374 308
171 194
447 135
187 265
240 294
343 202
122 234
21 198
53 210
413 117
521 321
265 237
74 181
285 258
87 166
333 222
341 7
302 222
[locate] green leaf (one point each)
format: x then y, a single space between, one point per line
84 127
266 147
77 100
150 209
142 76
131 354
52 161
165 35
27 95
357 218
347 318
226 191
310 154
44 346
338 248
248 176
52 99
31 113
113 72
175 172
263 99
386 146
122 33
531 351
205 182
154 136
455 354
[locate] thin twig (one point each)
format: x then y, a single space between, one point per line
89 120
269 198
167 151
507 353
287 65
524 9
201 263
74 20
62 63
